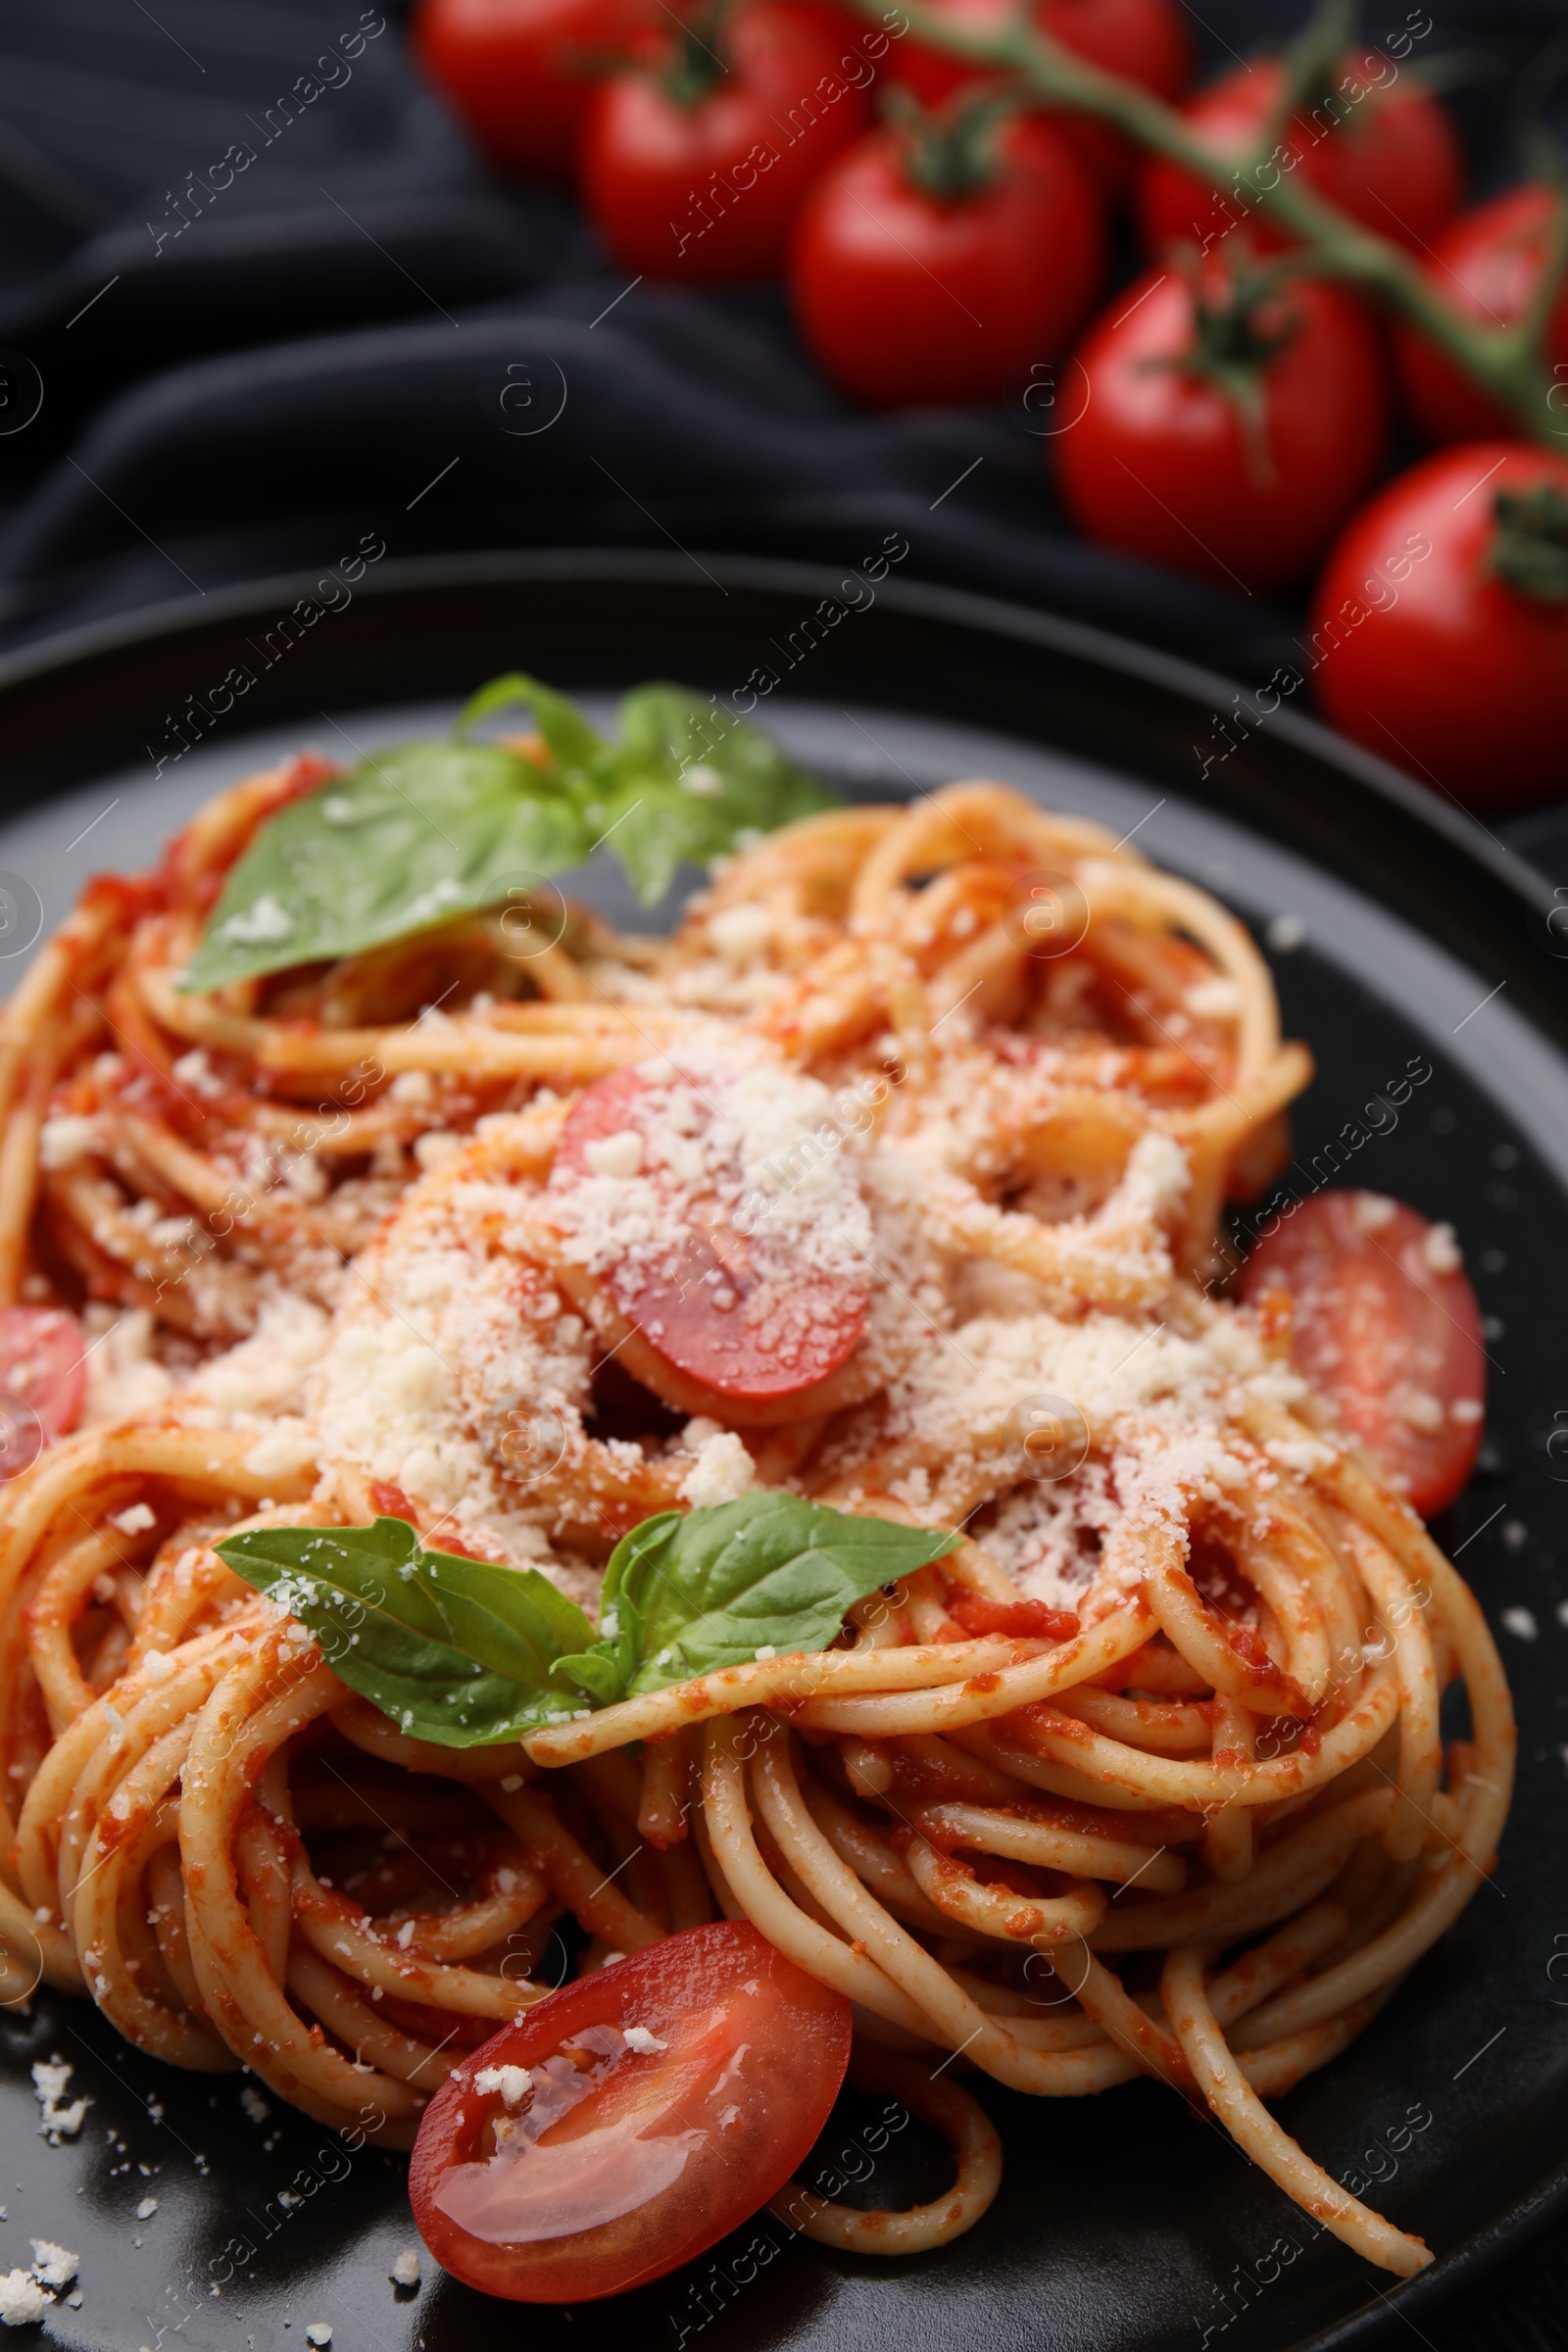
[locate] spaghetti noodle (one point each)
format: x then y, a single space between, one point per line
1143 1777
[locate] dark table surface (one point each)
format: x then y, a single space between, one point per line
253 379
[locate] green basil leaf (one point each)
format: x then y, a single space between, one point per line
593 1670
418 835
457 1651
408 840
653 828
607 1670
572 740
688 781
691 1594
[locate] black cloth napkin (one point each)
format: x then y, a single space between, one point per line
273 301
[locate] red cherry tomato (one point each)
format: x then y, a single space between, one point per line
906 298
735 1311
1430 648
1168 461
1390 157
701 178
1488 264
1385 1325
43 1380
521 73
626 2123
1144 42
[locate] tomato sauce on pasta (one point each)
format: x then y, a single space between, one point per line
892 1182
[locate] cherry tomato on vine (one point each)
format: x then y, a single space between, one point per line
1145 41
626 2123
1383 150
695 165
1384 1323
521 73
1488 264
1230 424
943 253
1441 623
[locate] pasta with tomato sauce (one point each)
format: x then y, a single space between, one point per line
591 1445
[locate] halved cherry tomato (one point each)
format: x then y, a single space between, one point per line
911 292
1144 42
734 1312
1488 264
1384 151
629 2121
43 1380
1384 1323
521 73
694 165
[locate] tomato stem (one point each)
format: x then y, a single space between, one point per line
697 64
1504 362
1309 66
1529 546
1234 342
951 152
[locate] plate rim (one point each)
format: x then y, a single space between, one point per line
86 645
34 663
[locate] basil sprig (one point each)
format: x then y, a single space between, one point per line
465 1655
418 835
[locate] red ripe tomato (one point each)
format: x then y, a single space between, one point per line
43 1380
732 1310
1144 42
906 295
696 170
1441 623
626 2123
1488 264
1387 154
1385 1325
1225 435
521 73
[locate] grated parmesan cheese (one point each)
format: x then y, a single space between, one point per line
266 924
22 2301
722 1471
511 2081
741 933
65 1140
1442 1250
1216 998
61 2118
615 1154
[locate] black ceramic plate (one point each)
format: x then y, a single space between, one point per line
1125 2224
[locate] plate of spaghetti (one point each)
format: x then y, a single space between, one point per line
719 1562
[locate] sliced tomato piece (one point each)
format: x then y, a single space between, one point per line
707 1283
629 2121
43 1380
1385 1324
